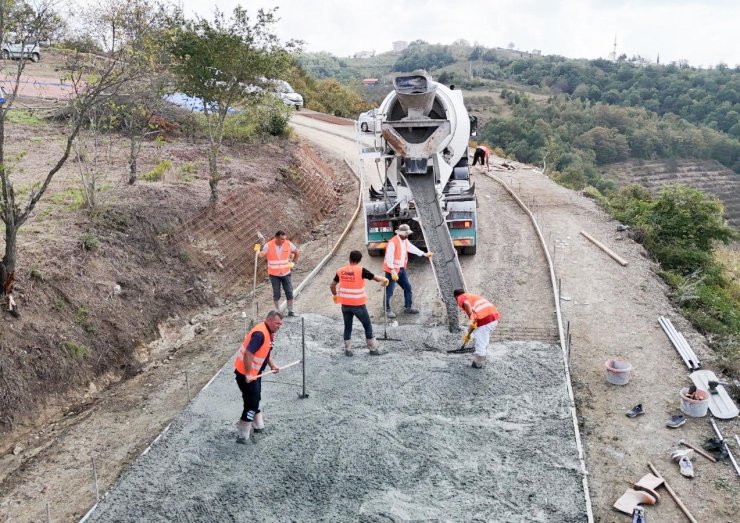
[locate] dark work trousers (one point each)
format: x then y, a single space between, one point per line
404 283
360 312
286 283
251 395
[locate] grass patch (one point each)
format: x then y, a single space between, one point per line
37 275
89 241
73 197
157 173
76 350
24 118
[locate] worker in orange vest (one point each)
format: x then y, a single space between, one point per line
482 153
395 263
483 320
282 255
348 289
253 357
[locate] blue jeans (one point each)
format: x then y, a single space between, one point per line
403 282
277 281
349 312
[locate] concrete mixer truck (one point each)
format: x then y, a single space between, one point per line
423 178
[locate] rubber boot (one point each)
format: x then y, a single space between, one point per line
478 361
245 429
258 424
372 344
348 348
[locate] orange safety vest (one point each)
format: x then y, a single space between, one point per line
481 306
277 265
351 289
258 359
397 261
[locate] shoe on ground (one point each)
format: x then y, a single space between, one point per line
686 467
676 421
635 411
476 365
348 352
291 314
411 310
390 314
376 352
679 454
241 440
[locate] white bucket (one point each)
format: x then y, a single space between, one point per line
618 372
696 408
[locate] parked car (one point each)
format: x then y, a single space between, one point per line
288 95
369 121
29 51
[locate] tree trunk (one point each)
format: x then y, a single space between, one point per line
214 174
7 265
132 162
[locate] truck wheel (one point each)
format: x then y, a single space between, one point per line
6 55
363 127
35 57
375 252
469 251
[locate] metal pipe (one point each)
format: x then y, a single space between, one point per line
667 328
682 341
727 447
303 395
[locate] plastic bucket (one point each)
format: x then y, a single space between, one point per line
696 408
618 372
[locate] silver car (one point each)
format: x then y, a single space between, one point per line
29 51
369 121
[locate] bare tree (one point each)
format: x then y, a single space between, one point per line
93 79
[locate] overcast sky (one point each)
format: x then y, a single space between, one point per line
704 32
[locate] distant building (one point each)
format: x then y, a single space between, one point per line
370 82
400 46
536 52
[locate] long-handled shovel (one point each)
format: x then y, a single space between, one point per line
254 282
296 362
385 321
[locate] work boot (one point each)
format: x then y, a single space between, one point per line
244 431
348 348
258 424
291 314
390 314
373 346
686 467
411 310
478 361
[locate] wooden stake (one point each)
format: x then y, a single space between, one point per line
605 248
698 451
673 495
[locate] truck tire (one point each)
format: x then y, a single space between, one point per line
363 127
375 252
6 54
35 57
469 251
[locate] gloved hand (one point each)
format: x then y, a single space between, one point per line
466 339
473 325
394 276
384 282
335 298
428 255
257 247
291 265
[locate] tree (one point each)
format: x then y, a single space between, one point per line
93 79
227 64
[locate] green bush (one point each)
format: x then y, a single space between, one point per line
89 241
76 350
241 127
158 171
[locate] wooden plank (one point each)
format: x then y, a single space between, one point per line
604 248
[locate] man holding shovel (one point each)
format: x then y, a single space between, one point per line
348 289
253 357
483 320
282 255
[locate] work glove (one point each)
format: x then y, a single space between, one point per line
384 282
291 265
335 298
394 276
428 255
257 247
473 325
466 339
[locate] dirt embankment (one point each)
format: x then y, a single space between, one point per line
93 287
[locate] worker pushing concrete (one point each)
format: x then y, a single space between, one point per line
483 320
253 357
395 263
282 255
348 289
482 153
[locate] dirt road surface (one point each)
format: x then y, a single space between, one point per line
612 312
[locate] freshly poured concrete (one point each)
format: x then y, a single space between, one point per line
415 434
